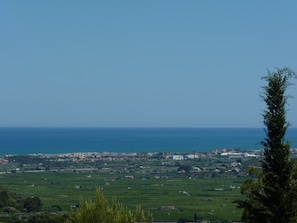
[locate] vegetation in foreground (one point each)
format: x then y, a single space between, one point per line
100 210
15 208
271 195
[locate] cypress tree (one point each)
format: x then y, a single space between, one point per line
270 195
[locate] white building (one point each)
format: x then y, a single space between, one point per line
178 157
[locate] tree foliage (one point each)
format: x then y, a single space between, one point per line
101 210
32 204
270 193
10 199
46 218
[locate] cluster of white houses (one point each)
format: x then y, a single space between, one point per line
223 154
238 155
182 157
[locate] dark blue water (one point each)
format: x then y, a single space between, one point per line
65 140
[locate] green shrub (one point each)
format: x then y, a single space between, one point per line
101 211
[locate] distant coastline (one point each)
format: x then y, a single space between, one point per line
126 140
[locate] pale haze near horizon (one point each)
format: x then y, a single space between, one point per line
142 63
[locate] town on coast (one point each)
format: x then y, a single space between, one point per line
219 162
192 162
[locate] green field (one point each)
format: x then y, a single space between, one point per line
168 198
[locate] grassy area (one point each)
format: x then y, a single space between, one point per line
168 198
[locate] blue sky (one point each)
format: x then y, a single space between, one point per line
142 63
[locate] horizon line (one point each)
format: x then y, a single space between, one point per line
141 127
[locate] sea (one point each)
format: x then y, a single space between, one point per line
130 140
